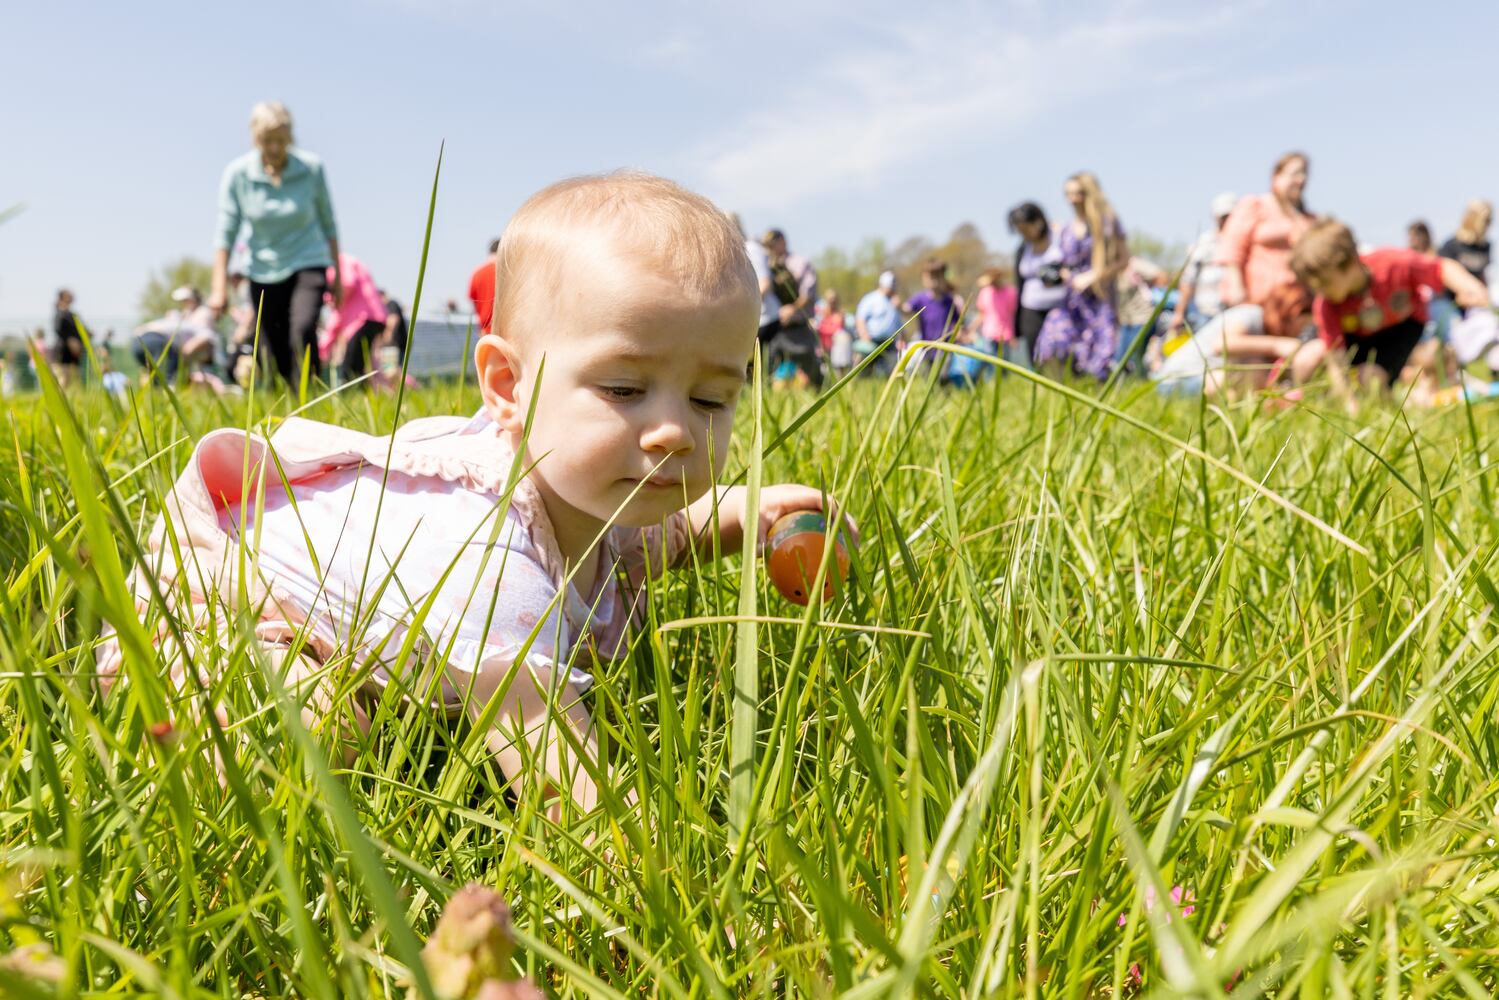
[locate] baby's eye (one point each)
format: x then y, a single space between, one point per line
619 393
712 405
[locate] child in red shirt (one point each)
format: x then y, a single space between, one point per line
1370 308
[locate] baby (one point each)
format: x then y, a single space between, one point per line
625 314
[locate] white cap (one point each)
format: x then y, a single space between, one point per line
1224 203
183 294
887 280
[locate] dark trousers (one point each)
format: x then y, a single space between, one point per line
1389 348
797 343
157 354
288 314
1028 324
358 350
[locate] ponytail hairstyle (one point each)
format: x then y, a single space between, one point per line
1103 225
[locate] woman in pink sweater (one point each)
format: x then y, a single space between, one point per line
355 322
1255 244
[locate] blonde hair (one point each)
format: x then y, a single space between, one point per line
267 116
1467 230
1327 245
641 216
1103 225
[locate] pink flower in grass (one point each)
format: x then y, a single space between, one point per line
1184 900
1179 896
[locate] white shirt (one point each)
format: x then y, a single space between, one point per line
494 601
770 306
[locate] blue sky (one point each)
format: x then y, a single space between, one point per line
835 121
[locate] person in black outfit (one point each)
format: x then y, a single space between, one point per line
395 325
793 280
67 346
1470 246
1038 271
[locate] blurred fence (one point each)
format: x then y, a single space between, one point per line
441 344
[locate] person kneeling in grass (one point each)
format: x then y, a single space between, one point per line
1370 308
637 298
1240 348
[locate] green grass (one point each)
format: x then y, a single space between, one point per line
1083 664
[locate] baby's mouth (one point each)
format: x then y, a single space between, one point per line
656 482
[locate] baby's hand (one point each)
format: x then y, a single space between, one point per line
727 508
788 498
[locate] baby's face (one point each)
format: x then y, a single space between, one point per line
639 388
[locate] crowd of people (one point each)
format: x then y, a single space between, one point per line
1273 291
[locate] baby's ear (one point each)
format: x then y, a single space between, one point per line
497 364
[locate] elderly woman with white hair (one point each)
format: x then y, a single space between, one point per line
279 195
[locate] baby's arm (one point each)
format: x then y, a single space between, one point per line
691 531
775 502
540 721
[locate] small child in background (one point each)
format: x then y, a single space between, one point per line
937 307
829 319
1370 309
832 330
628 433
995 304
938 313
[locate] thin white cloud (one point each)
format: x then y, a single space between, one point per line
923 95
679 47
1218 92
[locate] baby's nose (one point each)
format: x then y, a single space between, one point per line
668 431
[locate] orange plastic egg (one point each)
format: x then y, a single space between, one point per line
794 551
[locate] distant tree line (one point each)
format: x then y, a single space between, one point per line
852 274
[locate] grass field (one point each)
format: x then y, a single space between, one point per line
1236 663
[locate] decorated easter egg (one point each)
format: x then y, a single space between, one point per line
793 552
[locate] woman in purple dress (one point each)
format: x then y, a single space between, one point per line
1084 328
